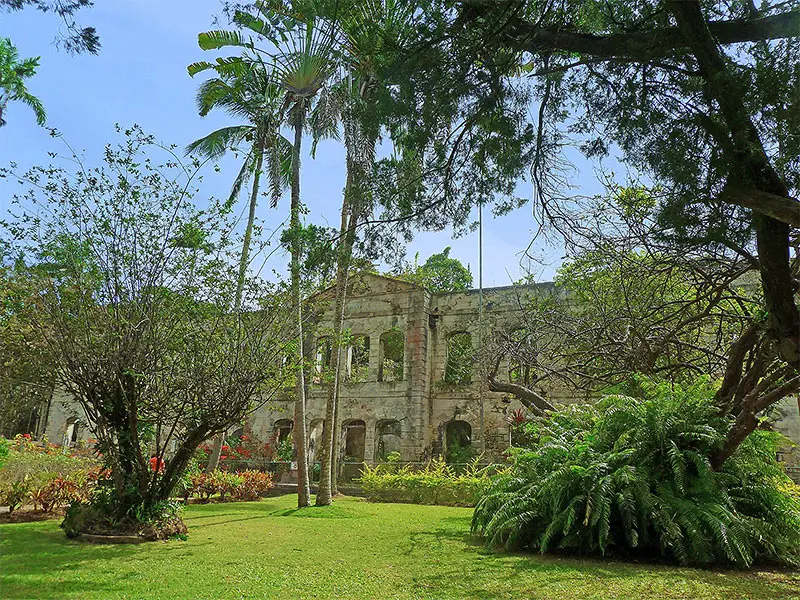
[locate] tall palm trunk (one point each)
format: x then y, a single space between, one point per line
303 487
216 451
328 470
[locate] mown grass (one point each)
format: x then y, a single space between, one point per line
354 549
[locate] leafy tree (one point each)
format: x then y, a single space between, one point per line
696 95
440 273
27 368
76 39
13 73
627 302
139 293
362 29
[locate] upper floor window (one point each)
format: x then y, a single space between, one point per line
458 367
390 367
357 359
322 359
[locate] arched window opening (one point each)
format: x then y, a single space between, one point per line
458 442
390 367
282 430
388 439
458 367
322 359
235 438
357 359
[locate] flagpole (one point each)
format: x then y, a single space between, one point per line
480 325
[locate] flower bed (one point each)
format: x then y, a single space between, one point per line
44 477
226 486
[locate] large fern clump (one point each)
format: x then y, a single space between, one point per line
633 475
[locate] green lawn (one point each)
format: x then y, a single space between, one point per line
355 549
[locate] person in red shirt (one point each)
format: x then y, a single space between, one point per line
157 464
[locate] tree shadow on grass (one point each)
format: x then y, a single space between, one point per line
319 512
493 574
30 550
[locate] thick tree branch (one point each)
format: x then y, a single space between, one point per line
645 44
531 399
781 208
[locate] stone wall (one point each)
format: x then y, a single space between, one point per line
415 411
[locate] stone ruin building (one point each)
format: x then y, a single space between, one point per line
410 385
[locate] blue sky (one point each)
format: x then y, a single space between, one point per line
140 77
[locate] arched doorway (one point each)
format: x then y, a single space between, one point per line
354 436
458 442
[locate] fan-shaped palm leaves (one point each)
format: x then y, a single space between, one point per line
13 73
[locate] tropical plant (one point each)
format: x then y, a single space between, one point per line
244 90
300 62
440 273
692 95
13 73
437 483
632 474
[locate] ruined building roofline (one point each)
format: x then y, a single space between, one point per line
547 285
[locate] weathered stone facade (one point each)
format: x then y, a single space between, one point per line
421 405
406 407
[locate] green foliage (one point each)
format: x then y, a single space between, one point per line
441 274
392 349
437 483
44 476
167 336
242 485
458 368
13 73
632 474
4 444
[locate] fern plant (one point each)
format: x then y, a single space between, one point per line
633 474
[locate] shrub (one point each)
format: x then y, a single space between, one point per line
253 485
244 485
159 521
15 494
31 470
3 451
225 483
203 486
633 475
438 483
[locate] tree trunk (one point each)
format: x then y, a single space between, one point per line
303 487
216 451
751 166
327 466
248 231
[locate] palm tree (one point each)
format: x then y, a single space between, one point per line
366 26
245 90
13 73
301 63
